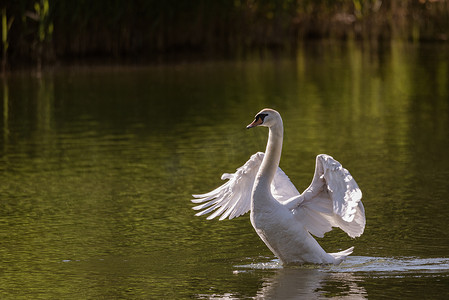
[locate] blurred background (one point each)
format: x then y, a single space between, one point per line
46 31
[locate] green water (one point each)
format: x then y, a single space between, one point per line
97 168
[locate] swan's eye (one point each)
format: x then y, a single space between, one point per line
261 116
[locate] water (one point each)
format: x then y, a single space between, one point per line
97 166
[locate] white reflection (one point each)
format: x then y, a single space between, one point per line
310 284
343 281
307 282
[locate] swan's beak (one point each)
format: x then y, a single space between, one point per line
255 123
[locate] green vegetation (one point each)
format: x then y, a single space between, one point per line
46 30
6 25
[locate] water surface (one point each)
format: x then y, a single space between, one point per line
97 167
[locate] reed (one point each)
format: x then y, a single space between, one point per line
6 26
61 29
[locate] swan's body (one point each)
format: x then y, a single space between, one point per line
282 217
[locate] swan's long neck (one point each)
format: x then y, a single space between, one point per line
271 159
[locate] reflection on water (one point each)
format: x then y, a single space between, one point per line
310 283
97 167
346 280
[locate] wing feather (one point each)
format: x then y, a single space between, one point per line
282 188
333 199
233 198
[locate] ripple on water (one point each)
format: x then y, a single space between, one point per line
370 264
394 264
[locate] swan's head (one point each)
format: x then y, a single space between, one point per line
266 117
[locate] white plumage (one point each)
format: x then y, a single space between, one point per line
282 217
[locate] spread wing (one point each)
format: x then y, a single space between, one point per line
333 199
233 198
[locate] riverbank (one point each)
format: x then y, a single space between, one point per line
47 32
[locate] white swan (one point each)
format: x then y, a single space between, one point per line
282 217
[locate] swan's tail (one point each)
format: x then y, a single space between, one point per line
341 256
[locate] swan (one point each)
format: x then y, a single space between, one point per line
283 218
